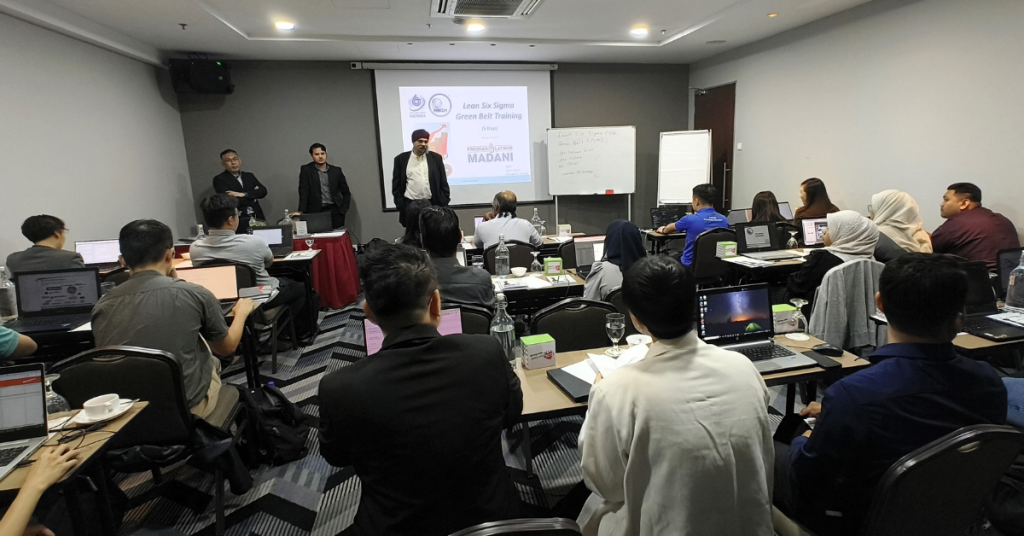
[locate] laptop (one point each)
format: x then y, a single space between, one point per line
279 238
740 319
222 281
761 241
55 300
738 215
812 231
785 210
662 216
589 249
23 422
1007 260
102 254
981 302
451 324
476 222
317 222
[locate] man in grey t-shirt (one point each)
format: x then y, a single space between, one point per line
154 309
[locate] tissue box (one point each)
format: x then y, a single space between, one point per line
725 249
784 315
538 351
552 266
564 229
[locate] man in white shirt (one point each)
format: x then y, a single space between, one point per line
678 443
419 174
505 223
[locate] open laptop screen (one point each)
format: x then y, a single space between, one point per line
755 236
981 297
477 221
222 281
273 236
589 249
813 229
99 251
57 292
451 324
734 313
22 397
785 211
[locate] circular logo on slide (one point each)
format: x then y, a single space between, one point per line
416 103
440 105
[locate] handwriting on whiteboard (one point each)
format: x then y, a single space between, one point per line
574 148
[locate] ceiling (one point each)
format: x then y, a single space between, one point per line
559 30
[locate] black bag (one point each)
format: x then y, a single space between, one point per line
278 429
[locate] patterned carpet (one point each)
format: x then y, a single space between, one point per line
308 496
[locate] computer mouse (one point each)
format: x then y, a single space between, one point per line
828 349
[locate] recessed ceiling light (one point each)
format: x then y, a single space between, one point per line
715 42
639 31
284 25
475 27
773 15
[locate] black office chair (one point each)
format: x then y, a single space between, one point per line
554 526
164 433
707 268
118 276
574 323
476 320
615 298
273 320
519 254
567 251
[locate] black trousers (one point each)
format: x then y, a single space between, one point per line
243 225
337 217
785 500
292 294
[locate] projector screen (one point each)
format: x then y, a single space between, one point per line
489 126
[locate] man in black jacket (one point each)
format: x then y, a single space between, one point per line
419 174
421 420
323 188
243 185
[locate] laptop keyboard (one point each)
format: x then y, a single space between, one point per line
45 321
761 353
980 323
8 455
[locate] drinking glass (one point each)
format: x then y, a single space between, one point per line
536 266
54 402
309 243
792 243
106 287
615 326
799 318
478 261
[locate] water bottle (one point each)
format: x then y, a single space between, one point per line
199 232
8 300
537 223
1015 292
501 266
287 219
503 329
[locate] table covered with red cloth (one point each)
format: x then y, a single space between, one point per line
335 274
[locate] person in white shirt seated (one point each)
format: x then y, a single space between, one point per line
678 443
505 222
622 247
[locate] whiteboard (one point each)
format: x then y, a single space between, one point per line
591 160
684 161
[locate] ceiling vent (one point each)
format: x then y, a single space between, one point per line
499 9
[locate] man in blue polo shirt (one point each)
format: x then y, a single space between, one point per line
917 390
704 218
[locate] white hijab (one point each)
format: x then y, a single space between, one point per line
853 236
898 216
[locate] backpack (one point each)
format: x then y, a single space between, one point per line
277 428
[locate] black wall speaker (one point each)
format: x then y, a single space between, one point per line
200 76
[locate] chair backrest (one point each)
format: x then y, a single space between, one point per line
150 375
843 305
476 320
939 488
615 298
554 526
245 275
116 277
707 267
574 323
567 252
519 254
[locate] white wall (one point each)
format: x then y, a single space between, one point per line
86 135
900 94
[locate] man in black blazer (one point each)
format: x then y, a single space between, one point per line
423 178
243 185
421 420
323 188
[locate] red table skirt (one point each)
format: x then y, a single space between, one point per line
335 274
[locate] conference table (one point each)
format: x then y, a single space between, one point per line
335 272
542 399
658 240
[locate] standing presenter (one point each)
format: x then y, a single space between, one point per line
419 174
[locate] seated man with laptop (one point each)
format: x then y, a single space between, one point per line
421 420
47 234
462 285
504 221
917 390
222 244
704 219
693 419
154 309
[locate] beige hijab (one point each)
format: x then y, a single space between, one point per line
897 215
853 236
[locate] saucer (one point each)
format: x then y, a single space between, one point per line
82 418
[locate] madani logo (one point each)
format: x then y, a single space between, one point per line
416 102
440 105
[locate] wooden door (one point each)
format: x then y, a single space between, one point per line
715 110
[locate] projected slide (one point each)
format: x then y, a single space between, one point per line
483 133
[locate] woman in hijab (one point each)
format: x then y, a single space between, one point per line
765 208
898 217
622 247
850 236
815 200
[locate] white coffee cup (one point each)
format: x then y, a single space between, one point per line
101 406
639 338
519 271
